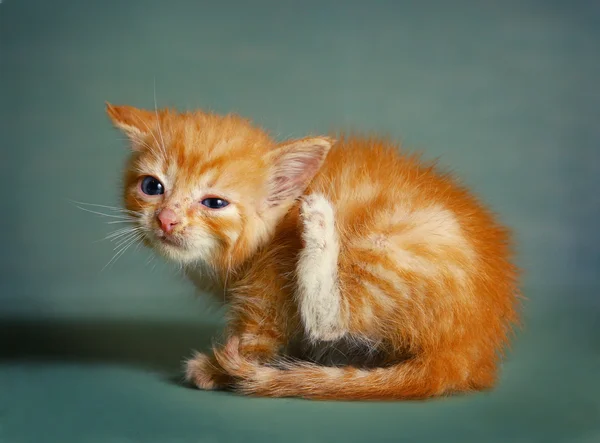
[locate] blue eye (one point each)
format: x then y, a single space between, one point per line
151 186
214 203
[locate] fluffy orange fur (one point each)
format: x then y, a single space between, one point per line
349 244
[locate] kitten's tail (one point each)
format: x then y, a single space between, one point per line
412 379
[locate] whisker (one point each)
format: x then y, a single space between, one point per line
113 259
133 220
126 238
112 208
117 237
103 214
121 251
114 236
139 243
125 229
149 259
123 241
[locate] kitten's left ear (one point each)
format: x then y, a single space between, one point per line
134 122
293 166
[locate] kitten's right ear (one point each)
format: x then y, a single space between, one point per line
134 122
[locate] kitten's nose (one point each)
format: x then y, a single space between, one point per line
168 219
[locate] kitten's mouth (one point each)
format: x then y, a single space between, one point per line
169 240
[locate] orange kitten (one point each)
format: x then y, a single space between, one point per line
349 244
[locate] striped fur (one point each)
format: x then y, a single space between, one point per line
351 241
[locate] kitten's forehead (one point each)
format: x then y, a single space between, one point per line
192 151
197 137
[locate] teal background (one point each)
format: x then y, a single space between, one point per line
506 93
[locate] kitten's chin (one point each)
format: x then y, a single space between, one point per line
176 252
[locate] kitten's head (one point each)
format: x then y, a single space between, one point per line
210 188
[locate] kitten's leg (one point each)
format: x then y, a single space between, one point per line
258 342
205 373
319 299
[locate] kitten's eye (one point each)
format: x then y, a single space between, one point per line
214 203
151 186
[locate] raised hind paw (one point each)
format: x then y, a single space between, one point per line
318 294
319 224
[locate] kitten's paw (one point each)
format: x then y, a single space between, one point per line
318 219
318 292
202 373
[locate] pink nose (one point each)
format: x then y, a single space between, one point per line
168 219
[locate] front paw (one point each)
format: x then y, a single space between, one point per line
203 372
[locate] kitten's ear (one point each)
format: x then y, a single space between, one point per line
293 166
134 122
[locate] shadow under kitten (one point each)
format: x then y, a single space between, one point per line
149 344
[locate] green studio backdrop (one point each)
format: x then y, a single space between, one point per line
506 93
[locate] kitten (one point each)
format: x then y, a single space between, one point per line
324 242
